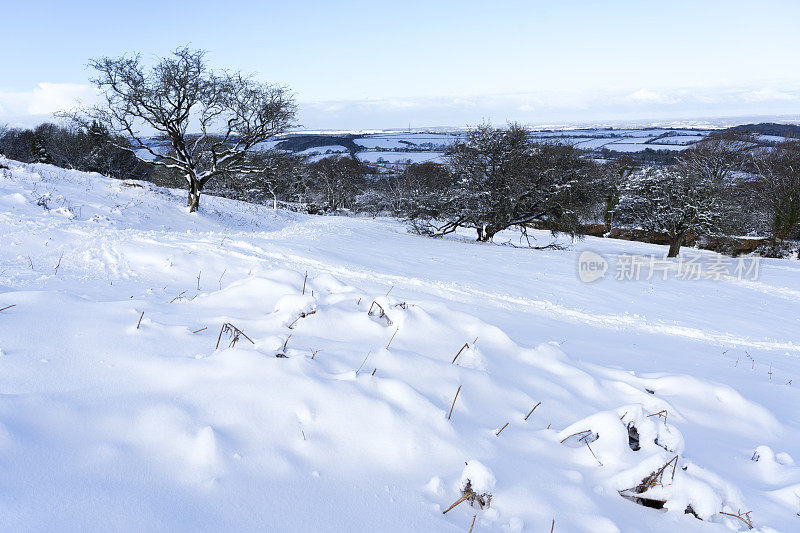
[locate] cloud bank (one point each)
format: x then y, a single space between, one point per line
27 108
554 107
609 106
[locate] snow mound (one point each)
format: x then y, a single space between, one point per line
478 477
641 458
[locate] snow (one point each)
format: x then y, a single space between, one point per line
634 140
395 141
639 147
772 138
400 157
119 411
626 140
594 144
393 146
681 139
478 476
328 149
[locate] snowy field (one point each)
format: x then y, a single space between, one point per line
400 157
124 406
395 146
639 146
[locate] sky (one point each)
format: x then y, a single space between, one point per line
381 64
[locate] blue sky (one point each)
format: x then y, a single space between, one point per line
378 64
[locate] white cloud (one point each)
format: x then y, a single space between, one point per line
52 97
767 94
45 99
31 107
653 97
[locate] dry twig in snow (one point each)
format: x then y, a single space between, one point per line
454 403
466 345
234 332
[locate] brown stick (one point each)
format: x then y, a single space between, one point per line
454 403
473 522
199 330
740 517
140 320
553 525
532 410
576 433
501 429
178 297
8 307
285 343
231 327
314 354
245 335
304 283
302 315
293 322
466 345
59 263
593 454
390 340
362 363
373 371
390 290
461 499
383 312
219 338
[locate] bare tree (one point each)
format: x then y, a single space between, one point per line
717 156
611 177
674 202
337 180
777 189
230 112
500 178
282 179
408 191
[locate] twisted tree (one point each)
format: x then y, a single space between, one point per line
674 202
778 189
228 112
500 178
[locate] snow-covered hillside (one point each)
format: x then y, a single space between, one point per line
127 404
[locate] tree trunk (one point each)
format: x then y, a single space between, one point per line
675 246
193 203
485 233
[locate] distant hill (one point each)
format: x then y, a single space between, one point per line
769 128
298 143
